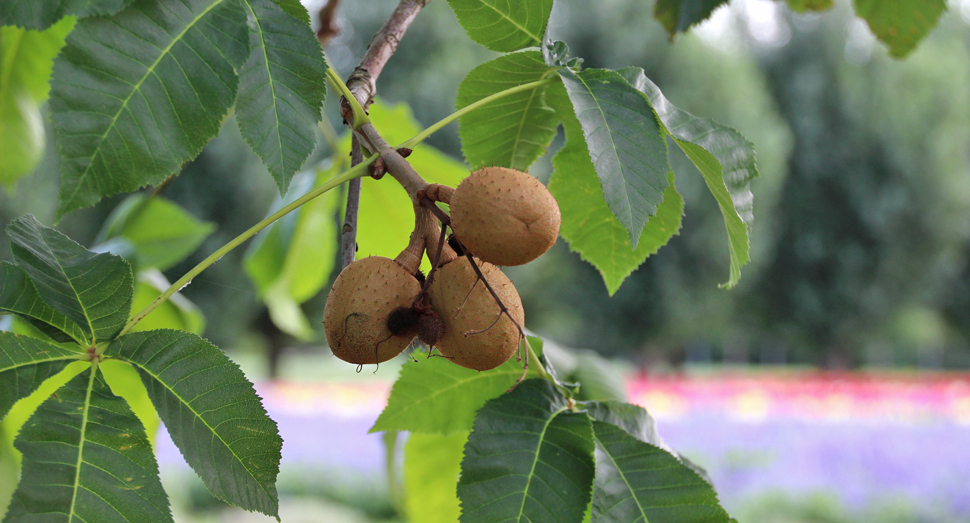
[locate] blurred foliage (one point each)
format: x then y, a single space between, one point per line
822 507
860 248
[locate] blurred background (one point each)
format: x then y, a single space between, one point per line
830 385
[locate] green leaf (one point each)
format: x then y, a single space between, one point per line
529 458
26 58
900 24
93 290
176 312
588 225
633 419
636 481
598 377
298 251
124 382
25 363
501 25
41 14
291 260
804 6
625 144
212 413
281 90
86 458
295 9
432 464
723 156
435 396
161 232
679 15
19 296
286 313
514 131
136 95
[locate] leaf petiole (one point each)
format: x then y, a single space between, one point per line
360 117
357 171
420 137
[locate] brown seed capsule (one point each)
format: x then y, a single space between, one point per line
504 216
356 315
475 335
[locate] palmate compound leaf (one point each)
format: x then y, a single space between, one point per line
281 90
900 24
93 290
212 413
503 25
515 130
86 457
25 363
135 95
588 225
528 458
435 396
625 143
679 15
26 58
432 464
724 157
39 15
637 480
19 296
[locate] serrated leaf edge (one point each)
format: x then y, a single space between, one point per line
124 105
272 79
455 384
204 422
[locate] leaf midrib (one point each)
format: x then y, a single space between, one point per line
522 121
77 295
450 387
626 195
80 448
136 88
204 422
272 84
36 311
513 22
622 476
72 356
532 470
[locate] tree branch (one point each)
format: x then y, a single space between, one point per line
348 236
363 86
328 22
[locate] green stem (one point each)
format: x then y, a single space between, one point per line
357 171
360 117
471 107
534 362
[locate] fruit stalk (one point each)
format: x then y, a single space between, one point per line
425 235
362 85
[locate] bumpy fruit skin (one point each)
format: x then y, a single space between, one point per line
484 350
504 216
355 317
